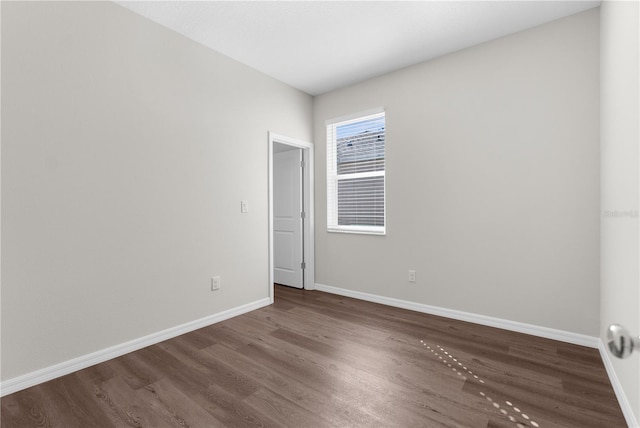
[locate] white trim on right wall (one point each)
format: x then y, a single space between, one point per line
625 406
546 332
534 330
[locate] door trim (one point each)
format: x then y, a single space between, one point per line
308 228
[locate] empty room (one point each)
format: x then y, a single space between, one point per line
320 214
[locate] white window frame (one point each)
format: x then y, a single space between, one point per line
333 177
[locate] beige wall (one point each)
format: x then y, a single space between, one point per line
126 150
620 135
492 181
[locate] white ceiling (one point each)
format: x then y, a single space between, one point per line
318 46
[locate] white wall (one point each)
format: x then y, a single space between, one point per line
126 150
620 135
492 181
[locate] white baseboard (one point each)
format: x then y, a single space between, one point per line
549 333
48 373
627 411
43 375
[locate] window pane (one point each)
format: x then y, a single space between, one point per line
360 146
356 174
361 201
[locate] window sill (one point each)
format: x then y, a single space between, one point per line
357 230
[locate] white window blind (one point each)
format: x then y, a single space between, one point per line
356 175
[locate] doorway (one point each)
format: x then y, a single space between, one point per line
291 220
288 215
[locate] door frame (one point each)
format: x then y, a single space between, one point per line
308 228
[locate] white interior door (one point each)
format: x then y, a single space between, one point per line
287 218
620 196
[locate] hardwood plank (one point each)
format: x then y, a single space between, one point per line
387 385
61 402
314 359
134 370
211 369
23 409
183 409
130 409
286 412
233 412
336 410
360 392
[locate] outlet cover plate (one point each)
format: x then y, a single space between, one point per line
215 283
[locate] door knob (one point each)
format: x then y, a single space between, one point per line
621 343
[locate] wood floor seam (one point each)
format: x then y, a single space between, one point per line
316 360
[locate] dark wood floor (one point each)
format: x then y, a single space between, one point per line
319 360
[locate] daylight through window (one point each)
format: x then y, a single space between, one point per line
356 175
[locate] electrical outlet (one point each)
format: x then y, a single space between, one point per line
412 276
215 283
244 206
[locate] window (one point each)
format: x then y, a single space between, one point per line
356 174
